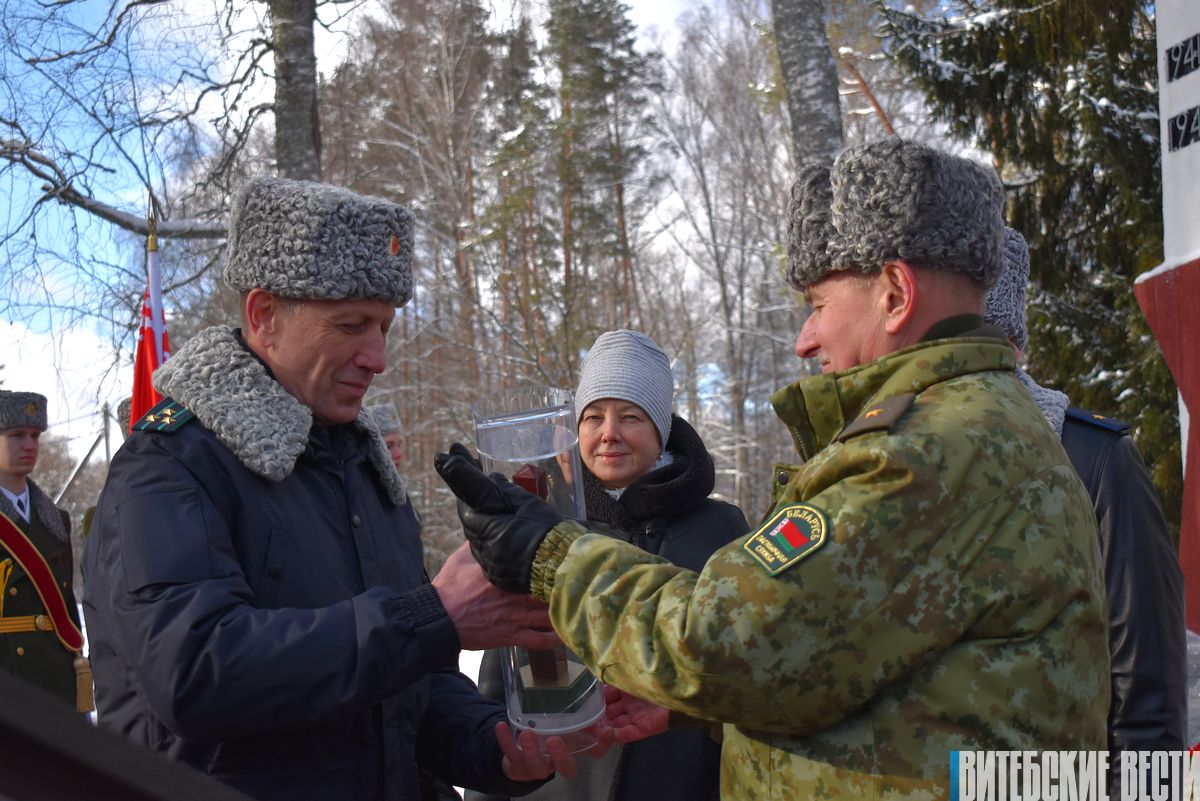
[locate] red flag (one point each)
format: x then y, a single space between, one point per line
153 348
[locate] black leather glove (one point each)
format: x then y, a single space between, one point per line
504 523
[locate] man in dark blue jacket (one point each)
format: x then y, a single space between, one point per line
1143 582
254 590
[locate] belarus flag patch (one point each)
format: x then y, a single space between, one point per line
791 534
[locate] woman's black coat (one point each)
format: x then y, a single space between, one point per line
666 512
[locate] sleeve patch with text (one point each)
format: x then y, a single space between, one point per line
792 533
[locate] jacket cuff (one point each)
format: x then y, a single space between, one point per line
434 629
550 554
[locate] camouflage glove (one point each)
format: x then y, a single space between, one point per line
504 523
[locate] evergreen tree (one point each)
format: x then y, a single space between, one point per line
517 222
1063 97
602 97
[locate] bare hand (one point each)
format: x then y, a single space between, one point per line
523 762
632 719
488 617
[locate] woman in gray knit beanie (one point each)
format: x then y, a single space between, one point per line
624 401
647 477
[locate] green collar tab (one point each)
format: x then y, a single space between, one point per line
166 417
816 409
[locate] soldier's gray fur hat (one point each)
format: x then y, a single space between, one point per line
298 239
1005 306
629 366
809 226
22 409
124 410
895 199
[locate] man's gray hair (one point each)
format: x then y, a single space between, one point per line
896 200
303 240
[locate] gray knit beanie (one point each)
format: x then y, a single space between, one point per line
895 199
298 239
22 409
1005 305
629 366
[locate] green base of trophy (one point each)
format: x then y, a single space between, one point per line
554 699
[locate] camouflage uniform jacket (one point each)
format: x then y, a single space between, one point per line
955 602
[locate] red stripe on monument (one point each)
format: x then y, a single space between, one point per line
1168 302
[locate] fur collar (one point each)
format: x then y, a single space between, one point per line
40 506
665 491
250 413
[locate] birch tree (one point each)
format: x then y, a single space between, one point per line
809 77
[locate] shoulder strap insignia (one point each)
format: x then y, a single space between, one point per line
880 417
166 417
1099 420
791 534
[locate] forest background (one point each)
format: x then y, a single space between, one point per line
571 174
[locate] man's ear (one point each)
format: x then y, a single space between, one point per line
900 290
261 311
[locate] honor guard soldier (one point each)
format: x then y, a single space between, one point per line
40 637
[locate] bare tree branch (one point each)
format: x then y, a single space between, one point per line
101 44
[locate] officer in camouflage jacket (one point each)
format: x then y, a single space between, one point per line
929 580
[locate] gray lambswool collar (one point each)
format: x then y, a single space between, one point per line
1052 402
251 414
41 506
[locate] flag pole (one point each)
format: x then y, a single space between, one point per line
154 281
153 345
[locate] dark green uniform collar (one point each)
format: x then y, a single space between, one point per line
816 409
962 325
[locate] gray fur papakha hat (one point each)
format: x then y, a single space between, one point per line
630 366
809 226
385 417
22 409
1006 301
899 200
298 239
